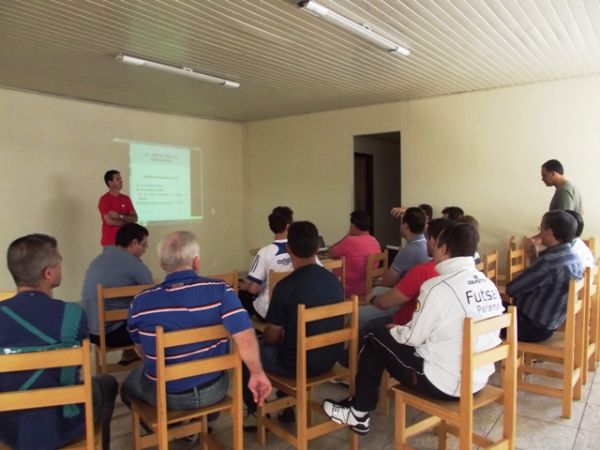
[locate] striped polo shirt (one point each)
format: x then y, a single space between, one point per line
185 300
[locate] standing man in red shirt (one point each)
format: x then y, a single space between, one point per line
115 208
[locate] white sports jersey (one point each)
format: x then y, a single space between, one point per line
436 329
583 252
271 257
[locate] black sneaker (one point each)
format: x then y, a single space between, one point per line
287 415
341 412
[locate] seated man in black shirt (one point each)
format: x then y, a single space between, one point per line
312 285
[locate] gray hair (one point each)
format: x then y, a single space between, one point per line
29 256
177 250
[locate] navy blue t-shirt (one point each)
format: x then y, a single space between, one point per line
313 286
40 428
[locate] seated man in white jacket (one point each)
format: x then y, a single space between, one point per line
425 354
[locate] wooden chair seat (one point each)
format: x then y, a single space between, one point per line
149 416
290 384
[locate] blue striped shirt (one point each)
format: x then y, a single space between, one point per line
185 300
541 291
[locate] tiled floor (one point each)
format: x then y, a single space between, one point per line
539 426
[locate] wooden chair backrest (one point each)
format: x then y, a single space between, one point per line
591 243
112 315
472 359
231 278
515 263
348 334
4 295
338 265
377 264
490 266
55 396
274 278
592 311
176 371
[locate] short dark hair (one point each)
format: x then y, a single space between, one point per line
303 239
436 226
415 219
453 212
129 232
470 220
361 220
575 215
427 209
280 218
554 165
562 224
460 239
108 176
28 257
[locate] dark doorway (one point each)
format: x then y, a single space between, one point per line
377 182
363 184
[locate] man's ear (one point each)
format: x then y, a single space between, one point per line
196 264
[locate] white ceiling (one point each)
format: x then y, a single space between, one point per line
288 61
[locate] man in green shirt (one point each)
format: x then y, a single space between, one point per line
566 195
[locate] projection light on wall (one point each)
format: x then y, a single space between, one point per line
185 71
355 28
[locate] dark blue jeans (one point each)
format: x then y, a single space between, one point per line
268 356
137 385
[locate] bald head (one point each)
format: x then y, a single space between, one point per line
177 251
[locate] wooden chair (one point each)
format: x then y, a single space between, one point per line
55 396
298 390
592 320
591 243
377 264
515 263
490 266
274 278
168 425
4 295
231 278
563 347
457 417
110 315
338 265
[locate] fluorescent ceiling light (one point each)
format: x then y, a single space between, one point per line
186 71
358 29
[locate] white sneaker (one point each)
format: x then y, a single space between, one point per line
341 413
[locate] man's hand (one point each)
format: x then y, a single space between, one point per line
260 386
397 211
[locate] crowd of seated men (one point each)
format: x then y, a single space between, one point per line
410 327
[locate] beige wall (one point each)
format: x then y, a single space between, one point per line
306 162
480 150
55 151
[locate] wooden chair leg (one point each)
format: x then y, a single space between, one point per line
442 436
136 431
400 425
260 427
204 427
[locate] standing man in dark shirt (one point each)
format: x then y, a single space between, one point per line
311 285
33 321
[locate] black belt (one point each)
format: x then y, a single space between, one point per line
199 387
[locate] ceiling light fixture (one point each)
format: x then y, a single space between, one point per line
358 29
185 71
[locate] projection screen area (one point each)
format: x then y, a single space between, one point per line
161 184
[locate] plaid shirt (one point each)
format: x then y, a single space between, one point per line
541 291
